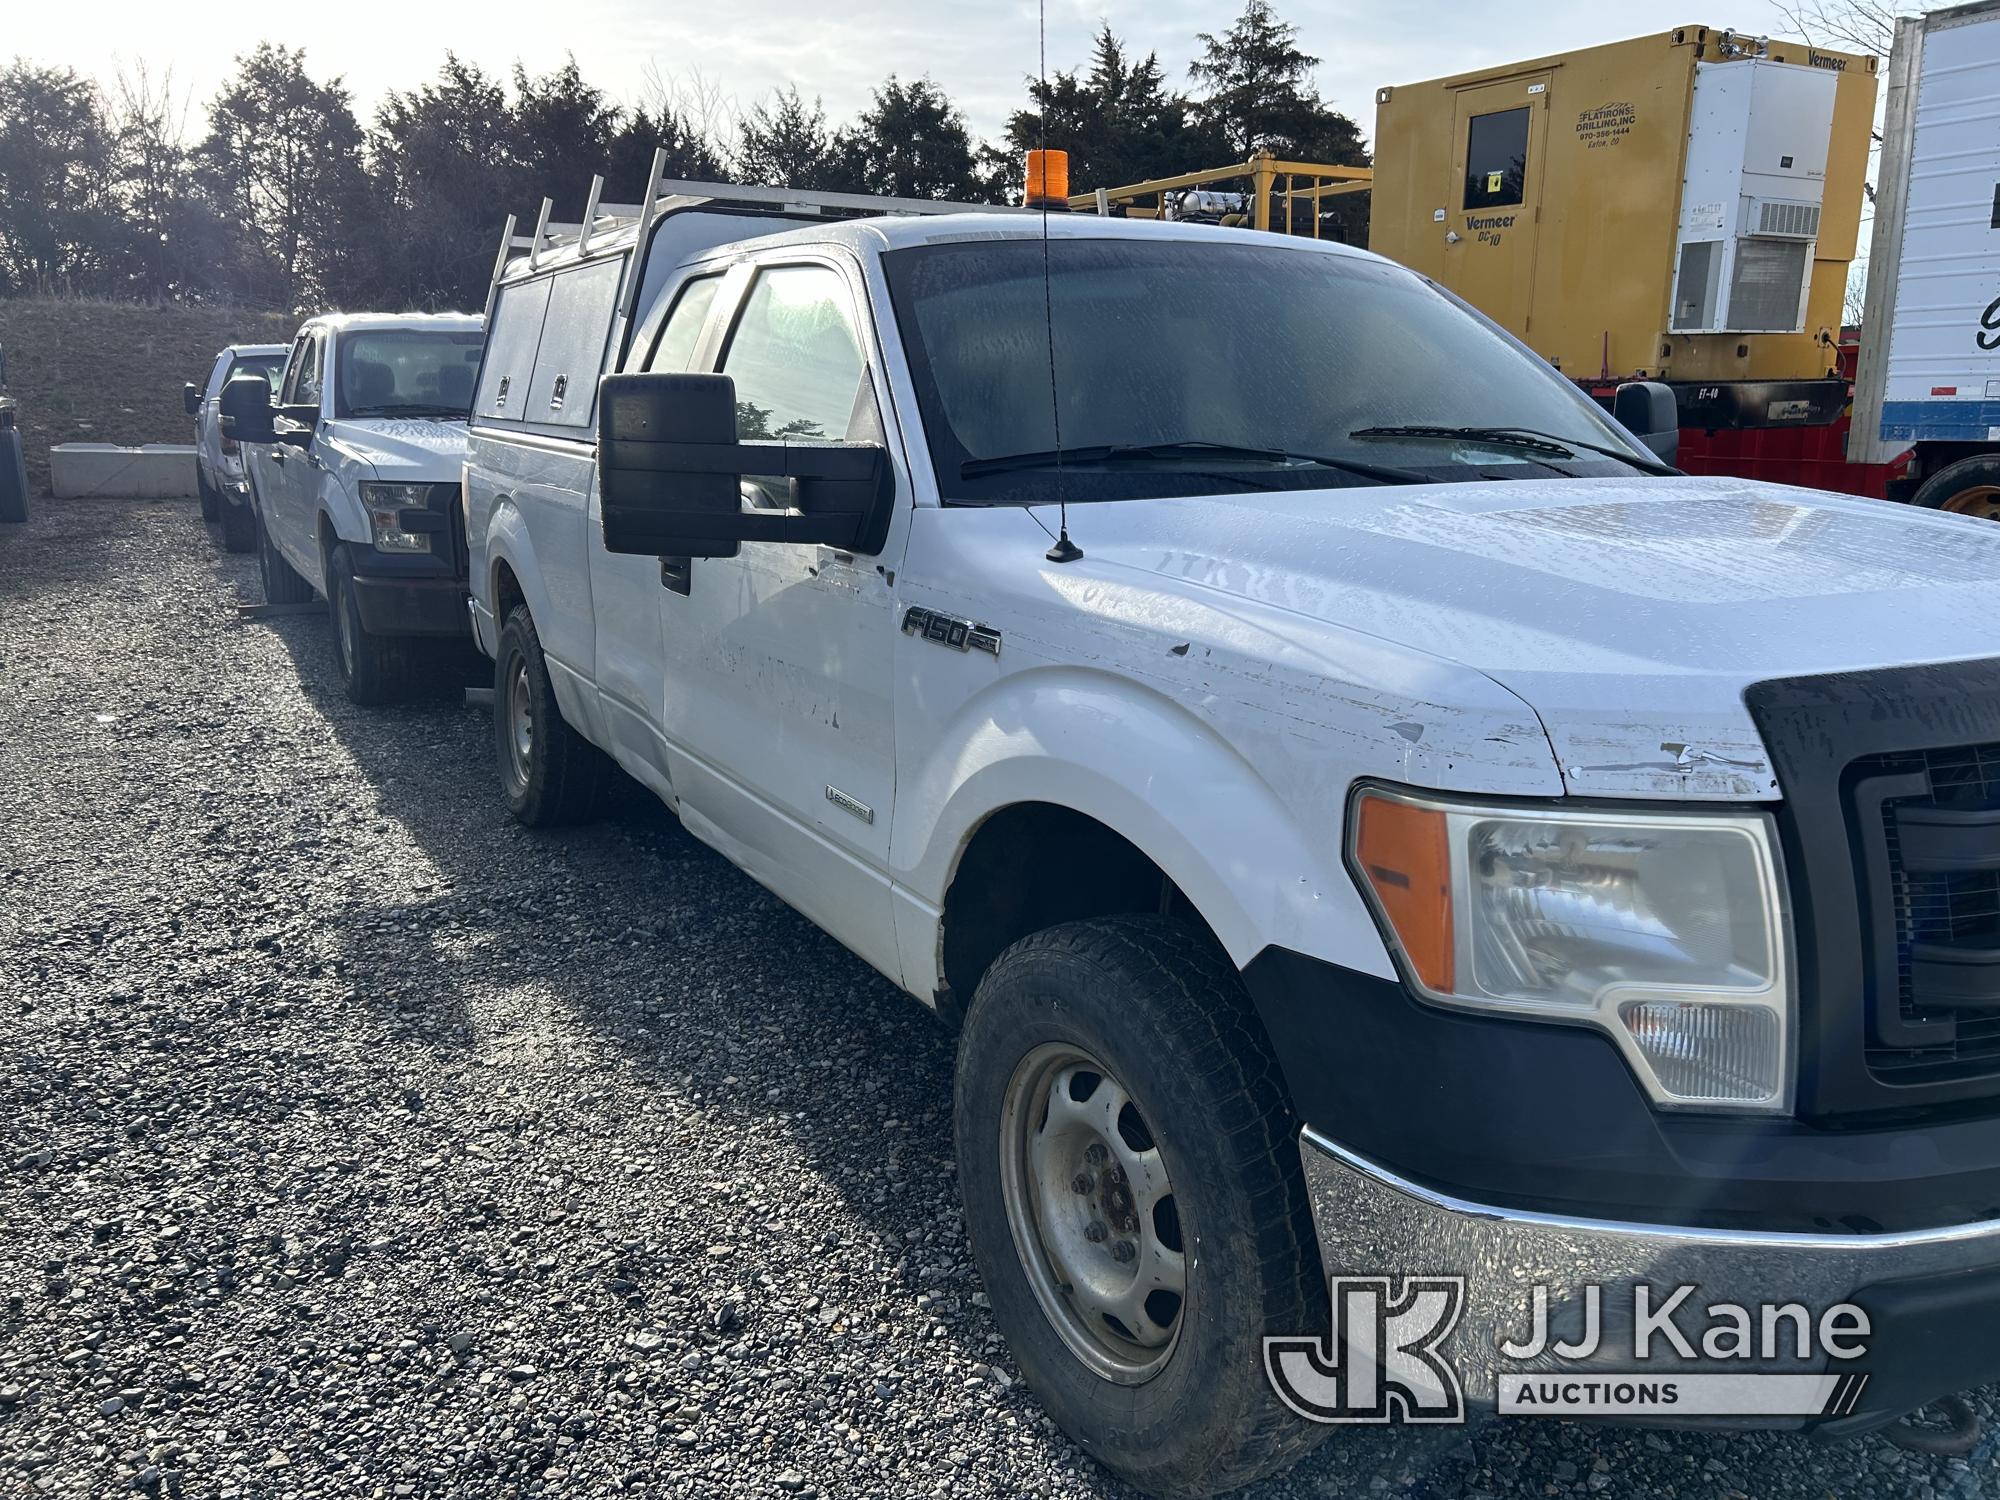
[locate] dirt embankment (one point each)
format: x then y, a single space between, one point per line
86 371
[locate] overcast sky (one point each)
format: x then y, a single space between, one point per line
741 49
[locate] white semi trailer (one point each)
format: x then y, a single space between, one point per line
1928 382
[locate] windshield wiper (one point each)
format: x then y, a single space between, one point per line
1114 453
1525 438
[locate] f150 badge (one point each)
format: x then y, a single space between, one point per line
949 630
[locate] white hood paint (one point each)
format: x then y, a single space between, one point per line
416 450
1629 614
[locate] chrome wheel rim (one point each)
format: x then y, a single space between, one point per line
520 726
1981 501
1093 1214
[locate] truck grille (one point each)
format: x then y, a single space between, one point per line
1929 825
445 500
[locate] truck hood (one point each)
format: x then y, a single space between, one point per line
418 449
1628 614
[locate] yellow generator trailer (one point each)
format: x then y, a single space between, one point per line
1679 207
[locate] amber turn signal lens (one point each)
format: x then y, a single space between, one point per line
1403 856
1048 179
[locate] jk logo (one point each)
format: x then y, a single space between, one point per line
1380 1362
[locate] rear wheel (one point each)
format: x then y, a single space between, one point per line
549 773
373 668
1134 1198
239 524
282 583
1970 487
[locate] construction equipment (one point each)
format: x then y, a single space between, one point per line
1681 206
1287 196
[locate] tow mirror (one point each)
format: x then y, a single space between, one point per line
1649 411
670 475
191 399
246 409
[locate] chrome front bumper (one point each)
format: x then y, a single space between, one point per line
1372 1222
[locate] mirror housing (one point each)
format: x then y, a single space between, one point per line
191 399
246 410
670 472
1649 411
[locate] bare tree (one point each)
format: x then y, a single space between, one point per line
1858 25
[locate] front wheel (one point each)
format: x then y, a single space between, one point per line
1970 487
1135 1201
211 501
239 524
372 669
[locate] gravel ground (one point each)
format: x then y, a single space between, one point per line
361 1143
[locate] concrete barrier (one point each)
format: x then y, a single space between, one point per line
83 470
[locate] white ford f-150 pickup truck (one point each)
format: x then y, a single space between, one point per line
218 460
354 466
1368 818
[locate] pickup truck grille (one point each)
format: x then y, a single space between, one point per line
445 500
1890 821
1929 824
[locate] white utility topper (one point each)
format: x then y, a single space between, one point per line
1367 816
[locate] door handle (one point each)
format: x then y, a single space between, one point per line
677 573
277 453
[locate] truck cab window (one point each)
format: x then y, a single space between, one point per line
306 389
675 349
1496 158
304 364
794 355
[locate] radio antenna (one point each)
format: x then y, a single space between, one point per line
1064 551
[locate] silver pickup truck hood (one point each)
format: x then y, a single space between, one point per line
416 450
1628 614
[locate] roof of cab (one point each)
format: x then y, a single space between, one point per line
902 231
241 351
370 322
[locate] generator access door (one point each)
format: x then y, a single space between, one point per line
1488 228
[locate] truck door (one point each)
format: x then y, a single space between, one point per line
286 476
779 705
1489 228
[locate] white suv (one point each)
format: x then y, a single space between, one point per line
355 472
218 460
1368 816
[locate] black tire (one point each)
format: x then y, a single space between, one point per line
211 501
282 583
239 524
1167 1016
551 775
373 669
1970 487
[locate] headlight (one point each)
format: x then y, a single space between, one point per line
1665 931
384 504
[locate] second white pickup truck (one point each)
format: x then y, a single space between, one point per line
1366 815
354 467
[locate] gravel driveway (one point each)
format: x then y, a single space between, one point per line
358 1142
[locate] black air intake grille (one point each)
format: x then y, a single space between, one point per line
1929 823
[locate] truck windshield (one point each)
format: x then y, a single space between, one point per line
270 366
1185 366
408 372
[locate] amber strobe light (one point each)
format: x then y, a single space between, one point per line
1402 853
1048 179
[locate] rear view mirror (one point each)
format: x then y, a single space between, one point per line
1649 411
191 399
670 472
246 409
